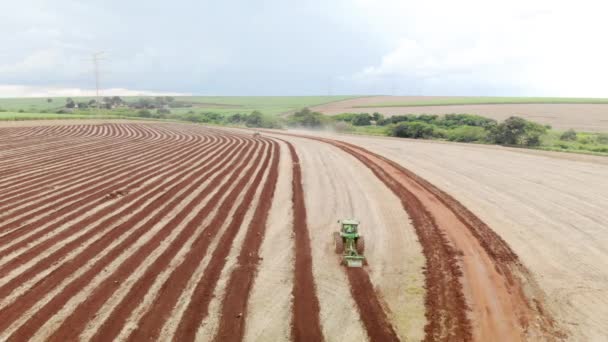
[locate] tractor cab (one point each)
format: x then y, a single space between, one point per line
349 227
349 243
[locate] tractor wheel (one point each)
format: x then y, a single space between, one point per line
360 245
338 243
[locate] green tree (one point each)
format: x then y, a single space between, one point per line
416 130
254 119
307 118
69 103
363 119
144 113
516 131
569 135
377 117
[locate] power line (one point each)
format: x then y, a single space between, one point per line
97 56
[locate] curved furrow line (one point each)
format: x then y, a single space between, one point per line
446 308
64 171
100 229
39 153
198 307
62 201
494 278
64 175
120 157
306 325
65 178
30 156
57 157
130 250
103 250
38 237
166 163
240 283
27 235
115 312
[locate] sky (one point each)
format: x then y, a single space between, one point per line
305 47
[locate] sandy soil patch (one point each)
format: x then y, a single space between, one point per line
552 211
336 186
582 117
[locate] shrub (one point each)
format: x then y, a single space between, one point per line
602 138
348 117
377 117
163 111
362 120
254 119
569 135
585 140
307 118
416 130
69 103
455 120
516 131
144 113
235 118
467 134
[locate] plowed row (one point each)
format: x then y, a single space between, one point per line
107 230
156 232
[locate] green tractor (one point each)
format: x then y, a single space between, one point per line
349 243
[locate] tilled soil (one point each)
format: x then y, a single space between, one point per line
136 231
581 117
549 208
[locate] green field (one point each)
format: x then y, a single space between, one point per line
269 105
15 116
489 100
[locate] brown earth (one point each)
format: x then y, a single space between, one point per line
180 232
581 117
550 208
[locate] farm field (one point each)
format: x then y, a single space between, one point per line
550 208
590 115
271 105
166 231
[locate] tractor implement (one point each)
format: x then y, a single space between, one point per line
349 243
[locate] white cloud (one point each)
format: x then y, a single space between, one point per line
38 91
534 48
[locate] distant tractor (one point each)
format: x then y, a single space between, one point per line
349 243
256 134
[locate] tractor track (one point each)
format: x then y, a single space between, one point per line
306 325
241 279
493 293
